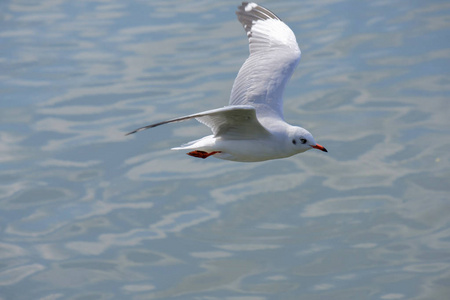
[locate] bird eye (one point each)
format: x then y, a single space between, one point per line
303 141
294 142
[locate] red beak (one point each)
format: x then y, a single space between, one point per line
320 147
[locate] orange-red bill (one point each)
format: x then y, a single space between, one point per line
320 147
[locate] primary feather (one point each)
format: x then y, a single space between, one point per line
274 54
232 122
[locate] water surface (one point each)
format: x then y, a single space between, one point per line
88 213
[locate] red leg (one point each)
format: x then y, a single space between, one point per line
201 154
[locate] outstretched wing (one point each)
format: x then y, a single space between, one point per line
274 54
232 122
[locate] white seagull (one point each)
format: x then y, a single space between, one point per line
252 128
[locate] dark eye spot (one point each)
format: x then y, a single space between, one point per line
294 142
303 141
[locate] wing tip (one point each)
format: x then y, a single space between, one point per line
145 127
136 130
255 11
249 13
248 6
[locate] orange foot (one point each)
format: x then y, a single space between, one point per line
201 154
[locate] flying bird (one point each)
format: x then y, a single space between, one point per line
252 128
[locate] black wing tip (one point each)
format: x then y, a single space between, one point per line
150 126
134 131
141 129
256 11
250 12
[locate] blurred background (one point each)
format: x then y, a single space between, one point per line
88 213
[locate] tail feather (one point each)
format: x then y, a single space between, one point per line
185 146
200 144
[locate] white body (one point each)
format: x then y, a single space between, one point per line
268 147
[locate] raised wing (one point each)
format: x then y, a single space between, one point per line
274 54
234 122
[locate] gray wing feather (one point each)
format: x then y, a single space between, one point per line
274 54
232 122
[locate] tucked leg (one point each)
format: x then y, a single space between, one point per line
201 154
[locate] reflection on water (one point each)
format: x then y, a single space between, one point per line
88 213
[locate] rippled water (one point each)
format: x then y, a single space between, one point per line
88 213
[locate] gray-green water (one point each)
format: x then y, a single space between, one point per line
87 213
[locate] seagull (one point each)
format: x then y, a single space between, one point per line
252 128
